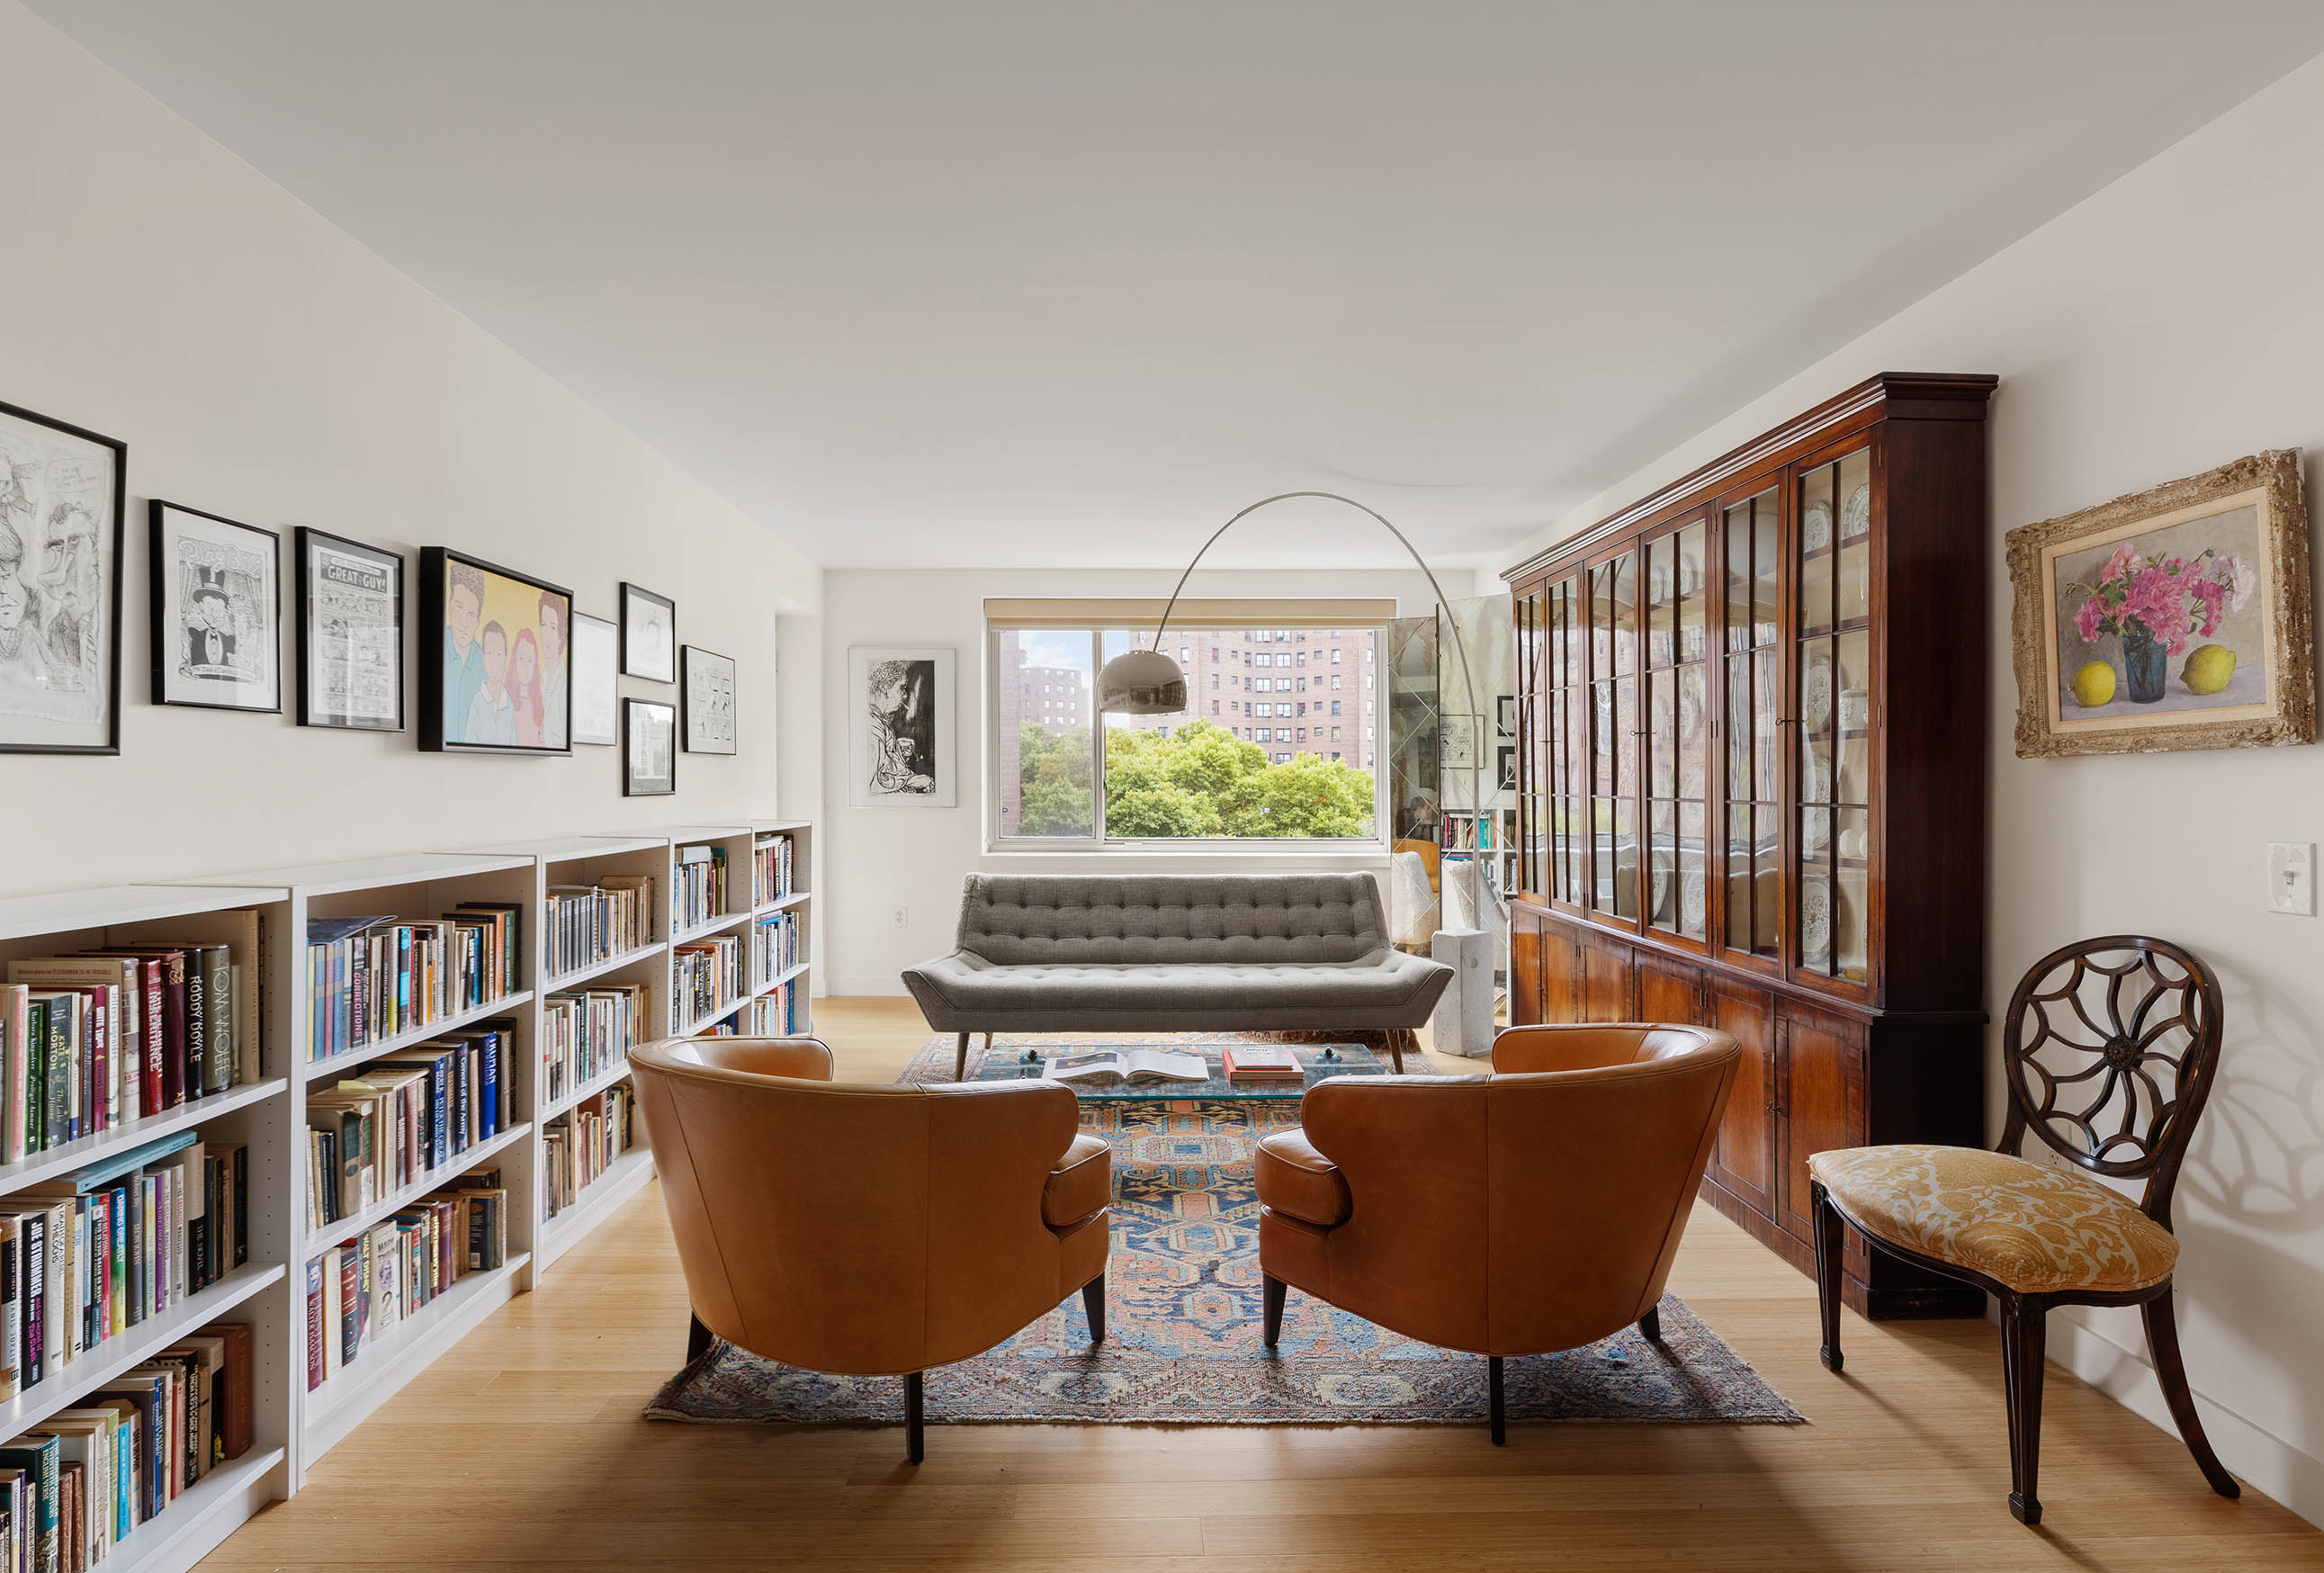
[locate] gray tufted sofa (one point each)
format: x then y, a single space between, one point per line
1175 953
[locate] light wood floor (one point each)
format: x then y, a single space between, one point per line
522 1449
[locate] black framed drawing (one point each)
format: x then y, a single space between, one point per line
350 633
61 511
649 634
596 663
495 672
217 611
648 748
708 694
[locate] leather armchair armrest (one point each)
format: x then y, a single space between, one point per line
1295 1178
801 1059
1522 1050
1081 1185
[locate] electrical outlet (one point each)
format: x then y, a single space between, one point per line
2292 878
903 917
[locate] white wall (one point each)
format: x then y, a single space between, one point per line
2172 322
261 366
878 859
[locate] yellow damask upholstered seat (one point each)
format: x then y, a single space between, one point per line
2037 1230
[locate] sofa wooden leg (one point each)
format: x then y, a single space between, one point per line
1093 1307
1826 1221
1397 1037
960 1059
914 1449
1500 1417
1650 1325
1271 1290
697 1341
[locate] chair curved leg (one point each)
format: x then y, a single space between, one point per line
2025 1338
1271 1290
1650 1325
1094 1306
2162 1339
1829 1244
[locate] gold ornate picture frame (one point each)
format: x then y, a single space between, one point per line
2175 618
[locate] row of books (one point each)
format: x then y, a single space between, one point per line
705 976
770 869
698 891
1458 831
360 1290
371 978
371 1136
90 1042
586 1032
579 1145
86 1258
588 924
780 1012
77 1486
774 946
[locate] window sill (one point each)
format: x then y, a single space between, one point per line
1206 857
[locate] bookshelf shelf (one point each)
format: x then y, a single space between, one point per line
73 911
580 975
715 1017
321 1239
614 1076
190 1527
332 1067
780 978
56 1160
335 1408
796 899
714 926
623 1178
368 874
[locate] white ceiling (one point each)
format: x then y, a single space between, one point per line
939 283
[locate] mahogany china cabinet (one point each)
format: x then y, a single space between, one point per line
1752 725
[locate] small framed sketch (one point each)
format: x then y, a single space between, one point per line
649 634
60 528
1505 715
2176 619
1504 767
495 672
350 634
596 661
901 728
648 748
708 692
217 611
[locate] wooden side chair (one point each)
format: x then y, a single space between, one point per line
2110 1046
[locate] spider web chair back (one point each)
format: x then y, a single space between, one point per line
2110 1046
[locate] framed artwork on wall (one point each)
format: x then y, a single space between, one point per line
649 634
1504 767
495 672
350 634
648 748
901 728
61 492
596 661
217 611
708 692
2177 618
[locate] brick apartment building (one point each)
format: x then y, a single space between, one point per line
1290 690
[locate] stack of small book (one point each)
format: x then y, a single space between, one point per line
1260 1062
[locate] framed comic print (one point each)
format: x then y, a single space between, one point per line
61 492
217 611
648 748
708 695
649 634
350 658
495 671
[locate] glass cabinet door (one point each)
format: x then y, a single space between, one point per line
1613 774
1560 745
1753 757
1676 738
1532 827
1836 720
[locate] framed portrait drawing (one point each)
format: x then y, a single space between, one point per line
708 693
496 669
649 634
648 748
2177 618
61 491
1504 767
596 662
1457 741
903 727
350 634
217 611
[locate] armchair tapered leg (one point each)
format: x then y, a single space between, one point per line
1093 1307
1499 1417
960 1059
1271 1290
1396 1040
2162 1339
1829 1245
2025 1337
914 1450
697 1341
1650 1325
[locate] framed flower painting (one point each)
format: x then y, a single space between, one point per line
2177 618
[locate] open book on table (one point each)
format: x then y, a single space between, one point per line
1128 1065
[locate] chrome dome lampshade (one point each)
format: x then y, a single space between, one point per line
1141 683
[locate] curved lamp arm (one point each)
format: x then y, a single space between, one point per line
1460 646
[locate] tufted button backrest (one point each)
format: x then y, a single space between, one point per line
1152 919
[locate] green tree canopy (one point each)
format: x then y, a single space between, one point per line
1200 780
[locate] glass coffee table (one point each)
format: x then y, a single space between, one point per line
1319 1062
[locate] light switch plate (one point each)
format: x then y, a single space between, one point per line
2292 878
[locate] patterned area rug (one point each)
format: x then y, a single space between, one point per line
934 1062
1182 1337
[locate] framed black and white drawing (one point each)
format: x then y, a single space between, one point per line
217 611
901 728
350 634
708 692
648 748
1504 767
596 662
649 634
61 492
495 667
1505 715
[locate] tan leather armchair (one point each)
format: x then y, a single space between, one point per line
868 1230
1532 1210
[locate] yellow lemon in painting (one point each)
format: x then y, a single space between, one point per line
2208 670
2093 684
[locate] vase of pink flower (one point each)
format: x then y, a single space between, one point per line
2155 605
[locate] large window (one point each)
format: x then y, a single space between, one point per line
1213 771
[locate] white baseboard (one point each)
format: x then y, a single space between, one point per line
886 982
